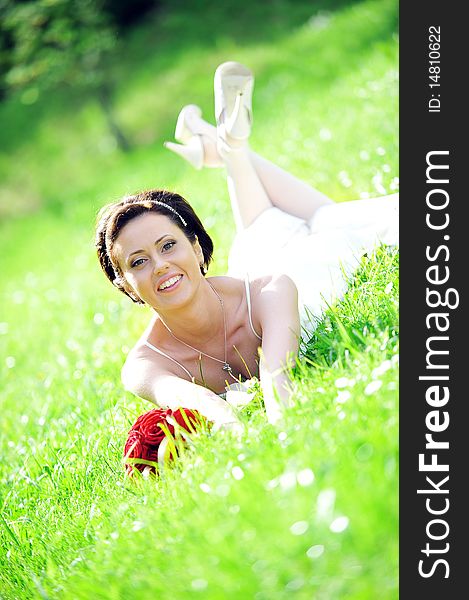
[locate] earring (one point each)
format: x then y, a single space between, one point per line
203 268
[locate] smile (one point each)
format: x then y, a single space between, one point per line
170 283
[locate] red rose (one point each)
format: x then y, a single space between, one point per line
146 435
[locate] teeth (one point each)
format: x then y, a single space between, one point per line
170 282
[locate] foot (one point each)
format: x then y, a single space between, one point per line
208 138
233 85
198 139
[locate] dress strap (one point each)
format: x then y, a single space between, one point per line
248 301
158 351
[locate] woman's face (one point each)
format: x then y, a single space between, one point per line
158 262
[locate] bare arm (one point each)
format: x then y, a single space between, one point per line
278 312
149 381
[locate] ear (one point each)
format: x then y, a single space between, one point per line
198 249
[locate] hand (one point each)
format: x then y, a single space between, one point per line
236 426
275 417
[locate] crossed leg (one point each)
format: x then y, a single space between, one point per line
256 184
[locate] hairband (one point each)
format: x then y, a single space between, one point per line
169 208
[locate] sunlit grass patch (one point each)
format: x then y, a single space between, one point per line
368 309
309 507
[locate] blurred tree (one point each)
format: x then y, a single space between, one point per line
124 13
46 43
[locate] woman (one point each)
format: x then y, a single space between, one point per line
292 253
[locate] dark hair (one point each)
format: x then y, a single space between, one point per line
113 217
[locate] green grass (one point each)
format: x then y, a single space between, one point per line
237 518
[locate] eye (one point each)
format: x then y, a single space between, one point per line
138 262
167 246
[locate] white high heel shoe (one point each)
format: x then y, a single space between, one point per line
190 127
233 86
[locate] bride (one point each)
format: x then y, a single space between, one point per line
292 253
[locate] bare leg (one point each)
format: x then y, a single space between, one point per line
287 192
255 184
247 193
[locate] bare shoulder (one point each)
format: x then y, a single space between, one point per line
142 366
274 299
273 285
141 354
257 285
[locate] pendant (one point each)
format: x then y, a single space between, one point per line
226 367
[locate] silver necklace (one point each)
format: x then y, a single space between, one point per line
226 366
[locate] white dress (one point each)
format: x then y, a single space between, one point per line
318 255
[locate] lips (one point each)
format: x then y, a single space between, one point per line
168 283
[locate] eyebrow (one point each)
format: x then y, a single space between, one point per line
156 242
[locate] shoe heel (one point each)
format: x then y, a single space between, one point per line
233 87
238 124
193 151
183 131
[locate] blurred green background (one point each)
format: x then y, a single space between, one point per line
88 93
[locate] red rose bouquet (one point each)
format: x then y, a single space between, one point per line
153 434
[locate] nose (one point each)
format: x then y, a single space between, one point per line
160 264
